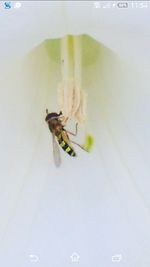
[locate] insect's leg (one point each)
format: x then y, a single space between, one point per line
75 131
78 145
63 119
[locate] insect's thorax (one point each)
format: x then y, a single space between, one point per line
55 127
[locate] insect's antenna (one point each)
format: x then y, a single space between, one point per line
60 113
46 111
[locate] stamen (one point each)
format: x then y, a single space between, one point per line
71 97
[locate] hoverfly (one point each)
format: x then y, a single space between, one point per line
60 136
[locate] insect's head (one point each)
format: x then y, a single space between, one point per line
52 115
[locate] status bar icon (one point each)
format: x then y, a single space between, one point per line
7 5
17 5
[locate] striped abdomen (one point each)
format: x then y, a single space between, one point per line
65 146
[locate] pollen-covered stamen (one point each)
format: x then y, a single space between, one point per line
71 97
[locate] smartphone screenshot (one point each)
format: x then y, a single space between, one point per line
75 133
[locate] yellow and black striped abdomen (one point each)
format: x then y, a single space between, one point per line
65 146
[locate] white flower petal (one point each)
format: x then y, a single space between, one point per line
23 29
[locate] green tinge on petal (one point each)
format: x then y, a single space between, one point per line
53 49
90 49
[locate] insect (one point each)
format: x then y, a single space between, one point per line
60 136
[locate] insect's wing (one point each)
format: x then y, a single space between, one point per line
56 152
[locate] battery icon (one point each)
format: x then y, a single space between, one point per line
122 5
